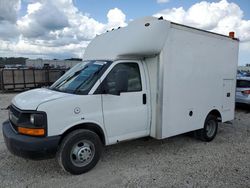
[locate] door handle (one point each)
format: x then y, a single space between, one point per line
144 99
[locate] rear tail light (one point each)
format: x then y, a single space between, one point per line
246 92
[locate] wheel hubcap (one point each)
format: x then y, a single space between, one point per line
82 153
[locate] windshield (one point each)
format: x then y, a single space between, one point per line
80 78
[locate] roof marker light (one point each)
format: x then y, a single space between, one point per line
231 35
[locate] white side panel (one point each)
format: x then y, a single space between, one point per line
125 116
228 95
228 99
194 65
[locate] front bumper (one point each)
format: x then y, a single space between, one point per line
29 147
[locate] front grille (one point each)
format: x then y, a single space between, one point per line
14 127
14 115
15 111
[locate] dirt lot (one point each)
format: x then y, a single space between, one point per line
180 161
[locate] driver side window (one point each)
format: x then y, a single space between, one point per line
124 77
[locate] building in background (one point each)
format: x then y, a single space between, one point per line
40 63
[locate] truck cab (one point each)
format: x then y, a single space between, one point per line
105 93
108 98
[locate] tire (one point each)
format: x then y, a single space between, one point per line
79 151
209 131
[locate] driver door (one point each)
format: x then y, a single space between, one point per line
125 105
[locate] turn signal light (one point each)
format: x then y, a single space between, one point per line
30 131
246 92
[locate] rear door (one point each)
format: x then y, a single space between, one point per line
125 114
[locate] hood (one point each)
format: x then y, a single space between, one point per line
31 99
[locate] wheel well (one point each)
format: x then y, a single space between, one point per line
217 114
88 126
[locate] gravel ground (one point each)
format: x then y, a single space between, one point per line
180 161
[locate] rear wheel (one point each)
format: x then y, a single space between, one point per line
79 151
209 130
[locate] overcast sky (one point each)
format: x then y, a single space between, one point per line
63 28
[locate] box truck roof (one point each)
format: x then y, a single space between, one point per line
141 38
137 39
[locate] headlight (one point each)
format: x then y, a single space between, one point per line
28 122
36 125
32 119
37 120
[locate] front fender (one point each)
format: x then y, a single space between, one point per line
88 125
62 114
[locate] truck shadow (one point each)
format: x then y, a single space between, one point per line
124 151
143 153
242 108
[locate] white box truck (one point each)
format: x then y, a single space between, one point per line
152 78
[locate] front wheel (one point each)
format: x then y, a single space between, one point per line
79 151
209 130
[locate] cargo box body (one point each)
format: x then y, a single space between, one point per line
198 75
190 72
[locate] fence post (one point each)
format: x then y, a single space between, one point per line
34 77
24 79
1 79
48 84
13 79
